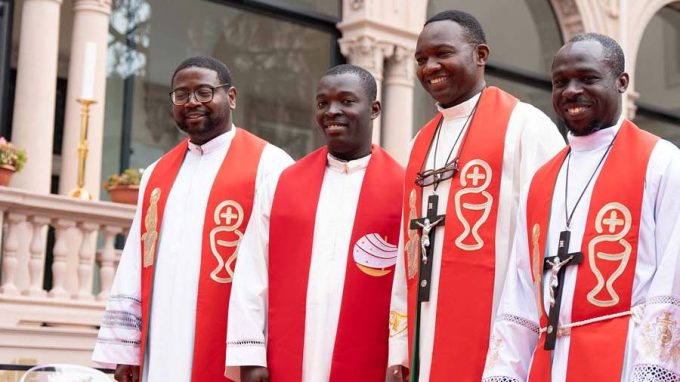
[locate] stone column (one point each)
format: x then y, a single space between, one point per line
398 105
90 24
367 53
35 95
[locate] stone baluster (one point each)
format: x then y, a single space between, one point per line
85 261
107 261
11 258
36 262
62 227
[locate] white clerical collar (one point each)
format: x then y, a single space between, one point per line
214 144
347 167
461 110
593 141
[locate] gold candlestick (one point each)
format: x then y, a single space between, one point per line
80 192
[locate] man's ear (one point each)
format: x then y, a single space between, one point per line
622 82
481 54
376 108
231 97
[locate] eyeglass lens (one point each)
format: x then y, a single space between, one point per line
202 94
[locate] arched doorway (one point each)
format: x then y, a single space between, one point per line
657 74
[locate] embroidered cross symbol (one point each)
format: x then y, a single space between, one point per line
476 176
612 221
228 215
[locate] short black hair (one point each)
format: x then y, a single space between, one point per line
612 50
473 29
223 73
367 80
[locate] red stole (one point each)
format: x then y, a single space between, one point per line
227 214
612 228
468 262
360 352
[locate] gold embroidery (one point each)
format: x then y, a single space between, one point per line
150 237
495 347
412 245
374 256
474 176
536 252
660 340
536 260
609 216
230 213
398 323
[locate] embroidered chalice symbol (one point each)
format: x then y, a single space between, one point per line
478 173
616 219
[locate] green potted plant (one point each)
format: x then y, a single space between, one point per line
12 160
124 187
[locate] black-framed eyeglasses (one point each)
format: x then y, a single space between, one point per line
203 94
434 176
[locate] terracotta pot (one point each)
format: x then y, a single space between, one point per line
124 194
6 172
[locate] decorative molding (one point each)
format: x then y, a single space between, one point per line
356 4
400 67
367 53
611 7
566 8
569 17
103 6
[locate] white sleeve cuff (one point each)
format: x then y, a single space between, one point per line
398 351
246 355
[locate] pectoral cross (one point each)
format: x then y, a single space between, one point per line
426 225
556 266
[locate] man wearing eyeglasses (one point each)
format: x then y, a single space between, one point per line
463 178
168 305
312 288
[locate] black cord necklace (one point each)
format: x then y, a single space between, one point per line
568 216
465 129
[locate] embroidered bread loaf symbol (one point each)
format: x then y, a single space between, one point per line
150 236
615 219
412 245
228 217
478 174
374 255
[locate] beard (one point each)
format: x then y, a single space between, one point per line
591 127
205 125
211 122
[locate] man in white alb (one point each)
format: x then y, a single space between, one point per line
312 286
594 294
168 305
464 174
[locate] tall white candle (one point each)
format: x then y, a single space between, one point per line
89 62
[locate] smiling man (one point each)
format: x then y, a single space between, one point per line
464 174
168 305
312 287
595 291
